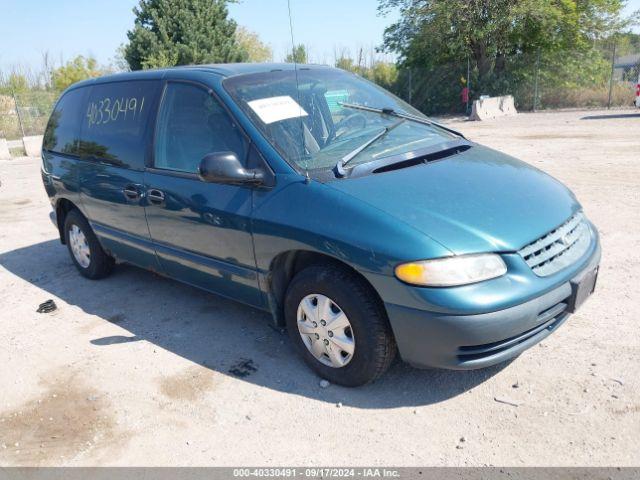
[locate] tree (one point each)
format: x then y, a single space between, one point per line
488 30
182 32
627 43
255 49
346 63
384 74
297 55
80 68
119 61
14 83
501 38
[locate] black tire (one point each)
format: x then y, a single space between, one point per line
100 264
375 347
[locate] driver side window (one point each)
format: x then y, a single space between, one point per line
191 124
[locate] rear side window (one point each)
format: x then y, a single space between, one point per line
115 123
191 124
63 129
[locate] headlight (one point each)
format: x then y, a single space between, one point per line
451 271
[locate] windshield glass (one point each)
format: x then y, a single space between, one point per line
315 125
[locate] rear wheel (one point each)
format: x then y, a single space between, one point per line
339 325
85 250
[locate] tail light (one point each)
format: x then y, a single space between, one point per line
638 90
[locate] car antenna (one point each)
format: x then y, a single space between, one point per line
307 179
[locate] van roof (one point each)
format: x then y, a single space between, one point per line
222 69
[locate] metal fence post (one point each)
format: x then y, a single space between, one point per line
468 84
15 100
535 86
613 68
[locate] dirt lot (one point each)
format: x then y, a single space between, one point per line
140 370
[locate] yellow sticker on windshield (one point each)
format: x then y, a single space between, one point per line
275 109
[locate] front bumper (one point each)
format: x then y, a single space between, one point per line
464 342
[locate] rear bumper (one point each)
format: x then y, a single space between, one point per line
465 342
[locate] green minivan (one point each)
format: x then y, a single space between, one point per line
363 226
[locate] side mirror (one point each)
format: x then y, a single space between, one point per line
225 168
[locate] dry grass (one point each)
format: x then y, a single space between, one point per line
622 95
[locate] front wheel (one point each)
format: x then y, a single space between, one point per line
87 254
338 325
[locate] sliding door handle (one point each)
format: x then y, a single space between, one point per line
131 192
155 196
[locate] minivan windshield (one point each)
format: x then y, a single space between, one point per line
318 115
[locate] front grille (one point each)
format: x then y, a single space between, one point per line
559 248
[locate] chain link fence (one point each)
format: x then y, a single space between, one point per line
600 78
24 114
594 79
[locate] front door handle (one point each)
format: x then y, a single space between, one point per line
155 196
131 192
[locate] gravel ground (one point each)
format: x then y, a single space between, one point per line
141 370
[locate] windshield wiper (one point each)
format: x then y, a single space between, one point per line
357 151
395 113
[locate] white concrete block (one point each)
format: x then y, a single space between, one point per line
4 150
493 107
33 145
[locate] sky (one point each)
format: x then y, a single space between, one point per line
66 28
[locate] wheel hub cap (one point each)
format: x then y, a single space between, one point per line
325 330
79 246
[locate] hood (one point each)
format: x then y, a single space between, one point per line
480 200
